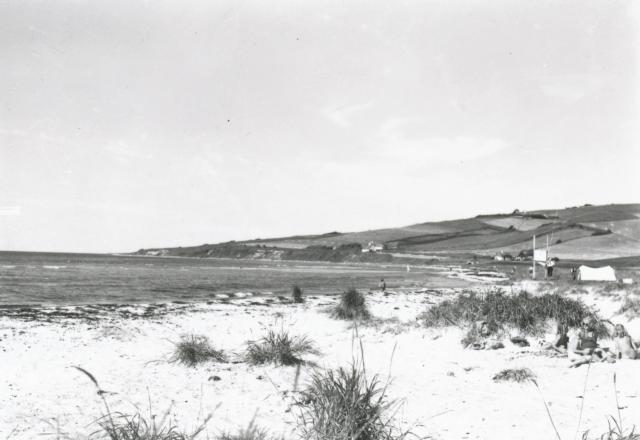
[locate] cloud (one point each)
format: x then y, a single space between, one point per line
400 138
569 87
344 115
10 211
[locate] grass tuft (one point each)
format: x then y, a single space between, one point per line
279 348
137 427
192 350
352 306
343 404
614 432
296 294
529 314
518 375
252 432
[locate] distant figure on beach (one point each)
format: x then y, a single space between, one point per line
574 273
561 342
549 268
623 345
382 285
583 346
486 340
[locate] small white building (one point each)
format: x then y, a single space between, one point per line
373 247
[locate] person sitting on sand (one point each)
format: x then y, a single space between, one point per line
561 341
623 345
486 341
583 346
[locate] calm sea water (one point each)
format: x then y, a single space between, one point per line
46 278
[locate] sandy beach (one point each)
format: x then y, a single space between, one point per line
446 391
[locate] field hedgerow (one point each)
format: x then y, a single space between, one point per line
194 349
529 314
352 305
280 348
343 404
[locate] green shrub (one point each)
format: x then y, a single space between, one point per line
280 348
352 305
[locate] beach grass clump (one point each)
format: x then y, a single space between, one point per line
192 350
352 306
121 426
342 404
527 313
518 375
279 348
296 294
614 432
630 308
138 427
252 432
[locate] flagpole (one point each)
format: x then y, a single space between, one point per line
533 258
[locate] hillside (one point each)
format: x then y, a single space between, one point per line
586 232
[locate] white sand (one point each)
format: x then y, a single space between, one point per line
448 392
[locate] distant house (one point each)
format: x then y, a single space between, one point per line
503 256
157 253
373 247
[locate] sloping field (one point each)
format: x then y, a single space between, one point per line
578 232
597 247
593 214
394 234
627 228
510 241
518 222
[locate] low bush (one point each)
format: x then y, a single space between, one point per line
352 305
343 404
279 348
192 350
529 314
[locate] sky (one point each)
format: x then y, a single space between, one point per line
127 124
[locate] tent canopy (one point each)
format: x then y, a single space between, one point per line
605 273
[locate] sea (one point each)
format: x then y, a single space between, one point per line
29 278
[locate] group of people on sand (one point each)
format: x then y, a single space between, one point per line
579 345
583 347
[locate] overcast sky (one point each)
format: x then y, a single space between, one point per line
129 124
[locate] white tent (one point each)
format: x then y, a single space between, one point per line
605 273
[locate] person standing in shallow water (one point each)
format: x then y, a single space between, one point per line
382 285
